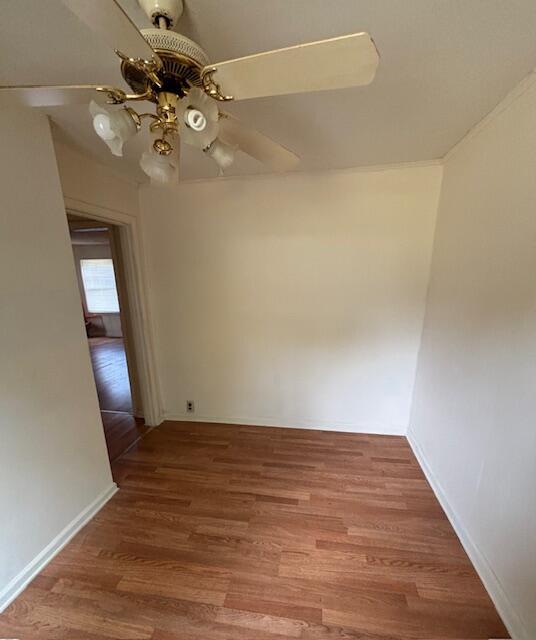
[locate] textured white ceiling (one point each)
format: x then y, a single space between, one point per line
444 65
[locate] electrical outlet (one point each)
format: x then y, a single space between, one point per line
190 406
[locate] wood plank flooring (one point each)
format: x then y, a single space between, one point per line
111 374
248 533
121 431
121 428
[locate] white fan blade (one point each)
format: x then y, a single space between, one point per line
112 24
337 63
36 96
256 144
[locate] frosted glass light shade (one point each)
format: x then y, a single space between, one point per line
114 127
223 154
163 170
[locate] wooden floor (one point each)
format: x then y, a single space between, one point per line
121 428
111 374
249 533
121 431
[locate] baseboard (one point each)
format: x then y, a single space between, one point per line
510 617
22 579
291 423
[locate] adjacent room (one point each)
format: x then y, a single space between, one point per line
101 283
268 319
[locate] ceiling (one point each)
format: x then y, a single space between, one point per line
444 65
86 231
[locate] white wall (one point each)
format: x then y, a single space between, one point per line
53 460
292 300
474 415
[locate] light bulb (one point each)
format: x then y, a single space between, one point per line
198 116
223 154
195 119
114 127
101 124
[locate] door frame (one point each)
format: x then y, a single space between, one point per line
142 333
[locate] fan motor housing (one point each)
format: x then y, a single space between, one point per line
183 61
170 10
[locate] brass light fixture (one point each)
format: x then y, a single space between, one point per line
173 72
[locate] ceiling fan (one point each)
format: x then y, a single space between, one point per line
173 72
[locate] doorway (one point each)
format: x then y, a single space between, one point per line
104 301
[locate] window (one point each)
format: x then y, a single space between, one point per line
99 286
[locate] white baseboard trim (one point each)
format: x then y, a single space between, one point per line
510 617
22 579
291 423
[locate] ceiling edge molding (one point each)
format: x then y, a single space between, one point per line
316 172
527 83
